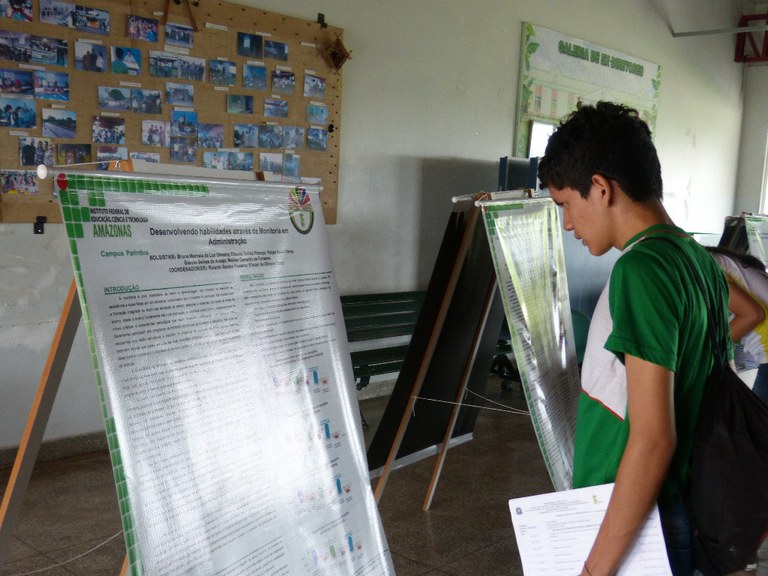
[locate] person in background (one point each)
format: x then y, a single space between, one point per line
118 63
748 283
648 353
28 152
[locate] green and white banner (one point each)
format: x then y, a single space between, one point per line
220 351
757 235
557 71
526 242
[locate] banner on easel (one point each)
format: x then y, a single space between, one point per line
757 235
527 247
220 352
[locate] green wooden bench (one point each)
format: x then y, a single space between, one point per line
380 319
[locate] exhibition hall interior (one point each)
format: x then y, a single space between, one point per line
280 292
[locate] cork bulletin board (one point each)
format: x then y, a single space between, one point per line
187 82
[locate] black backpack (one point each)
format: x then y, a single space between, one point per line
729 483
728 500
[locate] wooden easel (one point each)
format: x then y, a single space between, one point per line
438 326
437 329
29 445
457 329
459 397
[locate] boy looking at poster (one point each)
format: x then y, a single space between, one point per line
648 353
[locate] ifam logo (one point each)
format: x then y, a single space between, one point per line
300 210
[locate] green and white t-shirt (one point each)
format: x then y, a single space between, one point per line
652 308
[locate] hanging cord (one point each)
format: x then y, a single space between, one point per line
71 559
502 407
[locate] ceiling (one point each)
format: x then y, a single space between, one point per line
699 17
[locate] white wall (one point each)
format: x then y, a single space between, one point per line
35 275
429 100
754 143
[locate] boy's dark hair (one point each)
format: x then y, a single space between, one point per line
607 139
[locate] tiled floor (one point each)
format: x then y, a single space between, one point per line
70 510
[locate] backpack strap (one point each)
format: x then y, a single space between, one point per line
708 302
685 495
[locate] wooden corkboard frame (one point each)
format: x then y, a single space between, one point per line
218 24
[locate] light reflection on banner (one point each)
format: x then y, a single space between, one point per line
526 243
757 235
220 351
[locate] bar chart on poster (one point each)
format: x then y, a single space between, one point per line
219 348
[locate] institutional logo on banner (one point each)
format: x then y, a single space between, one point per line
300 210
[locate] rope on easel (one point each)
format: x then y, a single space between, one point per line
71 559
504 407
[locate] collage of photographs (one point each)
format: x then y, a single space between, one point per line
35 96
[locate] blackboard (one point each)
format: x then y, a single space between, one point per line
429 420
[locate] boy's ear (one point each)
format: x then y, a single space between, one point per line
603 187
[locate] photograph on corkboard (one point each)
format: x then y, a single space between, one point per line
112 74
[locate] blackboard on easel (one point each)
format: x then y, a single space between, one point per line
458 329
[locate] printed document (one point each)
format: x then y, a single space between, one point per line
555 533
